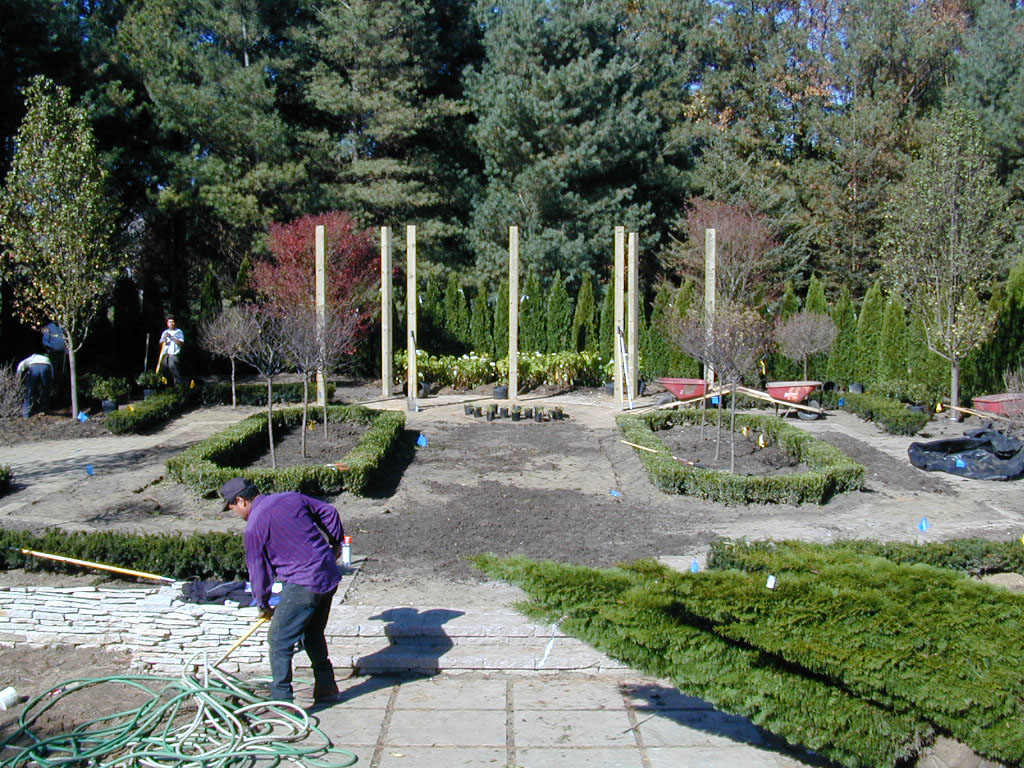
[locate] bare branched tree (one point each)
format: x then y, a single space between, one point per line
227 335
265 351
11 394
804 335
1014 381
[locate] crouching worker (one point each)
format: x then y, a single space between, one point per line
293 539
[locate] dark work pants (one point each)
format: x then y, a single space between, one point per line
38 380
302 615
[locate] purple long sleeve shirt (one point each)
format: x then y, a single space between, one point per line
282 542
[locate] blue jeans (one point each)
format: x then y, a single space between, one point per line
38 380
301 615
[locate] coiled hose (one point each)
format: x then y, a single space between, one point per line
213 720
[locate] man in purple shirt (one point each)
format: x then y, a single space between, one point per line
293 539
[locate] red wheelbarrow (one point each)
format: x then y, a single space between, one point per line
792 394
684 389
1004 404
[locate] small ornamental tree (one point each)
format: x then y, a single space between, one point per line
803 335
265 351
1013 380
56 220
559 316
227 335
584 319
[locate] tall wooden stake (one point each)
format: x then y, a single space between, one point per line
410 316
513 312
321 309
618 287
387 376
710 285
632 306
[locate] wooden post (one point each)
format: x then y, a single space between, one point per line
513 313
321 308
617 286
410 316
632 305
386 359
710 286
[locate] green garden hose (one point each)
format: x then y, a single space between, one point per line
213 720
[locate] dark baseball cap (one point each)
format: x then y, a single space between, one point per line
235 487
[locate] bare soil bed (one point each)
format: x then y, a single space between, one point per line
702 448
52 425
342 437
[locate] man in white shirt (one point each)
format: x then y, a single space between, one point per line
37 372
171 342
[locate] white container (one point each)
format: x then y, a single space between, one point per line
8 698
346 551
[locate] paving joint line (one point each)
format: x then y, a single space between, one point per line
634 726
510 724
385 726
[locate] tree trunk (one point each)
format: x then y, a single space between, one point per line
270 420
732 430
718 438
954 388
305 411
805 367
234 398
70 347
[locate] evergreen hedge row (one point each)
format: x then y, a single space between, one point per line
5 478
147 414
891 415
199 556
831 471
219 393
206 466
634 615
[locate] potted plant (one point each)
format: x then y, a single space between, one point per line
149 381
110 391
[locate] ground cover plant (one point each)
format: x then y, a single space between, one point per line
629 614
205 466
831 471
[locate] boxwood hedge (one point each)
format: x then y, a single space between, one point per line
831 471
219 393
147 414
205 466
893 416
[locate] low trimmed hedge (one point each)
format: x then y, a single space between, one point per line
199 556
219 393
206 466
632 616
5 478
832 471
892 416
147 414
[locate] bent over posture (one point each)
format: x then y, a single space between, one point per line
291 538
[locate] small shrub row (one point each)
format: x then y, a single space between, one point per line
199 556
891 415
206 466
5 478
922 639
831 471
973 556
558 369
146 414
630 615
219 393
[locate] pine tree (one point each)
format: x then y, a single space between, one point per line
559 316
867 359
841 356
532 311
480 331
584 319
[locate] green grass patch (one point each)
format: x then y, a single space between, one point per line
634 615
205 466
831 470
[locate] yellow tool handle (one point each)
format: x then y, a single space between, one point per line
89 564
259 623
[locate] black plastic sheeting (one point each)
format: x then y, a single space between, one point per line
981 454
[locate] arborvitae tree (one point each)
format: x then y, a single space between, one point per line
781 367
501 322
456 311
893 341
815 300
242 291
210 304
841 356
1005 348
927 369
480 331
559 316
607 329
584 319
789 304
129 330
532 311
662 357
869 334
430 317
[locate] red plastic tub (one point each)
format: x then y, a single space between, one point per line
1005 404
791 391
684 389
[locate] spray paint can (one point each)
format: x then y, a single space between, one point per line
346 551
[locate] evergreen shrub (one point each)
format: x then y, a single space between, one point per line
560 369
831 471
5 478
891 415
635 616
147 414
198 556
219 393
206 466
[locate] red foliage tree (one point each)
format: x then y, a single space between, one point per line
287 281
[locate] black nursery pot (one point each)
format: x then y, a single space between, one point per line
501 392
490 415
515 415
504 413
468 409
528 413
538 416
